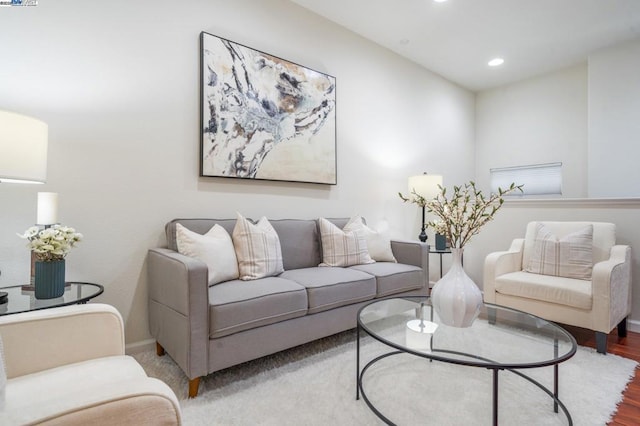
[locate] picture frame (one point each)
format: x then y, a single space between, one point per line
263 117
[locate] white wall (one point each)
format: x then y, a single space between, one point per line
536 121
117 82
614 121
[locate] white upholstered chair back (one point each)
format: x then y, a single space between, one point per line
604 237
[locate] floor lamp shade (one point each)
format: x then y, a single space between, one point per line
23 149
425 185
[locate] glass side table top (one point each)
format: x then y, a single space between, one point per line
499 336
20 300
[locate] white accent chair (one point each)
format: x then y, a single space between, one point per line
600 304
67 366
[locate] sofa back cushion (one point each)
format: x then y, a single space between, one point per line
299 238
604 237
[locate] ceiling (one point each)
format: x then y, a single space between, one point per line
457 38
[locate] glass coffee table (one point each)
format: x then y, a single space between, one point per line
410 326
21 299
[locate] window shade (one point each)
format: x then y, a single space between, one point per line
538 179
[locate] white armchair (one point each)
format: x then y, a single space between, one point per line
67 366
599 303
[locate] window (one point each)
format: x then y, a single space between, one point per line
538 179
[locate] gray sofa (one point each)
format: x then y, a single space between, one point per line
208 328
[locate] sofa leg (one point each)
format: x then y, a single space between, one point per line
193 387
159 349
601 342
622 328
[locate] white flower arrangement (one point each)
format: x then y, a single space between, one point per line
461 216
51 244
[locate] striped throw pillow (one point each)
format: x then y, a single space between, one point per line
570 256
257 249
342 248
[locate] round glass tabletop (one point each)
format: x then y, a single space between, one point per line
22 299
500 336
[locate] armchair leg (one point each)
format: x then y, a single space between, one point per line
159 349
601 342
622 328
193 387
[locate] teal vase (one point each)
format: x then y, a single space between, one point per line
441 242
49 279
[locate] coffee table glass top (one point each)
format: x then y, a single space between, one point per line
21 300
498 337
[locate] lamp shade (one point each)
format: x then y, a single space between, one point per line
47 208
23 149
425 185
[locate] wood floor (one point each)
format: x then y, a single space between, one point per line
628 413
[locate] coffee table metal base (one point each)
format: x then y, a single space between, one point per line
360 387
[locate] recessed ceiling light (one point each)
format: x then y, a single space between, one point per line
496 62
439 1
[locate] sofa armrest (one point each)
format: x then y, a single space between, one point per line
40 340
412 253
179 308
611 281
500 263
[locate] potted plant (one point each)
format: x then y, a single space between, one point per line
455 297
50 246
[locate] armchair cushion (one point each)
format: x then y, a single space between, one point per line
570 256
560 290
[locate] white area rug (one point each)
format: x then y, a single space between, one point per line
315 385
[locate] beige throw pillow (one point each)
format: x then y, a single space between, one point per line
257 248
570 256
214 248
342 248
378 243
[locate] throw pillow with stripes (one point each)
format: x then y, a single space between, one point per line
342 248
257 249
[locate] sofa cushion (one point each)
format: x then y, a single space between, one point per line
214 248
257 248
329 287
393 278
560 290
75 393
240 305
300 242
342 248
570 256
378 243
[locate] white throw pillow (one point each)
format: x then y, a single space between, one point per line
570 256
378 243
214 248
342 248
257 248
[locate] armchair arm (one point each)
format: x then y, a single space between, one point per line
44 339
500 263
179 308
611 280
412 253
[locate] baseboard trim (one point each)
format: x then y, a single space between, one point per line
137 347
633 326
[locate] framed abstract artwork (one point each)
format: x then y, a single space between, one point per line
263 117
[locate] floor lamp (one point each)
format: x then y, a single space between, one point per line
426 186
23 152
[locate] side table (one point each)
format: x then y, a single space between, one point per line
20 300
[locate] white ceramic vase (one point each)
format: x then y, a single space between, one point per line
455 297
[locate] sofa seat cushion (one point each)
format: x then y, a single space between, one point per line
392 278
241 305
115 389
566 291
330 287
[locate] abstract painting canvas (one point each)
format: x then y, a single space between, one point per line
264 117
